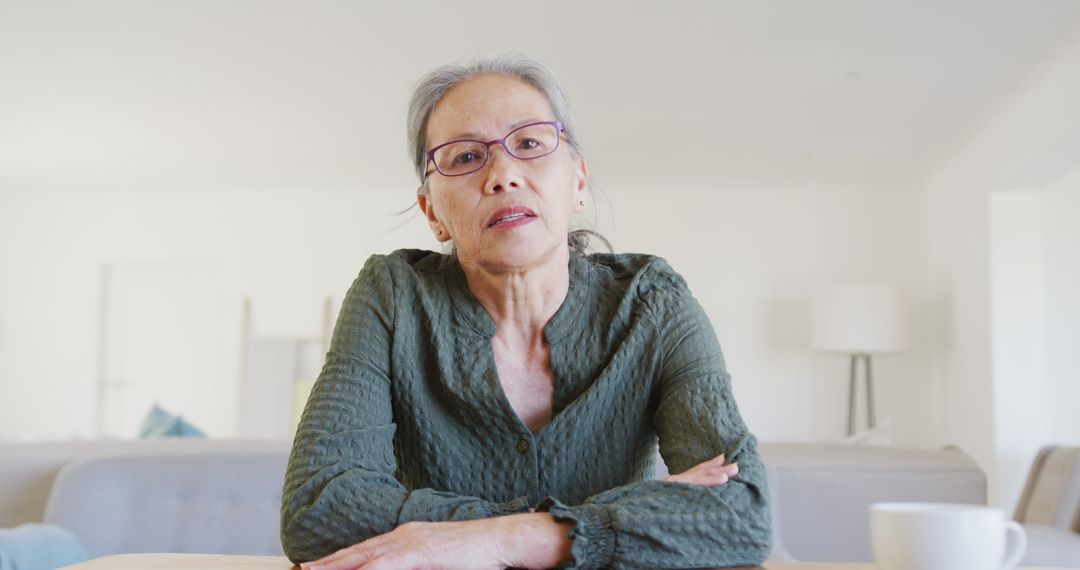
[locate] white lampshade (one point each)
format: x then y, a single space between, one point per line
859 319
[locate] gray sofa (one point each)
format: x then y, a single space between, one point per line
221 496
821 494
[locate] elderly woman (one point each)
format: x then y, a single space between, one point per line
500 406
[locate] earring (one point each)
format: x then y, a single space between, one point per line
582 202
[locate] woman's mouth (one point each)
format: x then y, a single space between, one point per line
510 217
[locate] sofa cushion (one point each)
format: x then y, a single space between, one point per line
1049 545
28 470
183 503
821 493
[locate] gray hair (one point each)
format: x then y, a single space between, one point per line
434 86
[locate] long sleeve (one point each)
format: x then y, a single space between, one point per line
340 486
656 524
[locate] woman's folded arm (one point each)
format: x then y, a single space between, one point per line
659 524
340 487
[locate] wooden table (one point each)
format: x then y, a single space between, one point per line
213 561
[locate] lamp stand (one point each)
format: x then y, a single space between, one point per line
855 358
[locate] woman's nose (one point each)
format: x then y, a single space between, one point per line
502 171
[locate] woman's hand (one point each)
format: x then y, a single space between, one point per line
523 541
710 473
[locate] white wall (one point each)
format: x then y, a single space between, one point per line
286 251
753 256
1018 308
1035 274
1061 235
757 256
1031 139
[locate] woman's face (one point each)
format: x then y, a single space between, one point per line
463 208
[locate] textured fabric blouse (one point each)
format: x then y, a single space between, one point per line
408 420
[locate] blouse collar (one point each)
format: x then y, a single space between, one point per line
561 323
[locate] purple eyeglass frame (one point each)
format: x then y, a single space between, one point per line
487 145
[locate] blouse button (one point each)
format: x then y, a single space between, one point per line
523 446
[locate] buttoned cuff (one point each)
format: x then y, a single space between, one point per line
592 538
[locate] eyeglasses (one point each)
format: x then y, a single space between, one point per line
457 158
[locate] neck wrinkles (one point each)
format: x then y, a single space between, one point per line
521 302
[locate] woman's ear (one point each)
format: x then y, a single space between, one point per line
428 208
581 185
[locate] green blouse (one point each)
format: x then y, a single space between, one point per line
408 420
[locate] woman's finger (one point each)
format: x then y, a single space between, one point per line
728 470
351 557
330 558
718 479
706 479
395 561
710 473
680 478
333 557
353 561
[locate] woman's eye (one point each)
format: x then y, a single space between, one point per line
465 157
528 144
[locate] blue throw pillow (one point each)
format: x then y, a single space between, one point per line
160 423
35 546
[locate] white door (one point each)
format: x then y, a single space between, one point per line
163 333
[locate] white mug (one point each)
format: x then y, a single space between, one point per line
939 536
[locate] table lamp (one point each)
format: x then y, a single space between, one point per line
859 320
